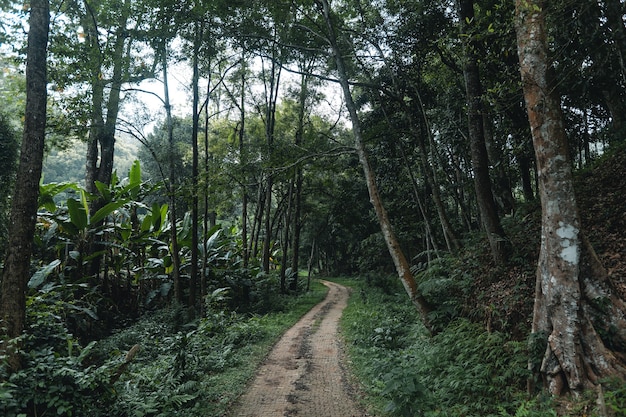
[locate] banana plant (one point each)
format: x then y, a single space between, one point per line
70 224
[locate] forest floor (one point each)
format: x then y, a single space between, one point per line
305 373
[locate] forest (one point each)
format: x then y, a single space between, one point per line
176 176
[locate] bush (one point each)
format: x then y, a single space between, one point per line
57 377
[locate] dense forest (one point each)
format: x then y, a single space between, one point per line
459 164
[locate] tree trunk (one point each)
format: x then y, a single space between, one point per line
270 122
430 175
297 209
101 141
243 162
575 357
285 240
501 185
178 287
193 279
24 205
400 261
480 160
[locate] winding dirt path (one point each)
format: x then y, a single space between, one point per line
303 375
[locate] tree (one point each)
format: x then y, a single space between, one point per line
575 356
480 160
399 259
8 163
24 205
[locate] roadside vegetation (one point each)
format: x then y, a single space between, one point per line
164 364
477 363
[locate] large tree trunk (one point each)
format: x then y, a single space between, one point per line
399 259
575 357
24 205
102 134
480 161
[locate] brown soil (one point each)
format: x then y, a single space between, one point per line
304 374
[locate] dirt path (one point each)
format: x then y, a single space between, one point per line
303 376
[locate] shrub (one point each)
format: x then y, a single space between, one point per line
57 377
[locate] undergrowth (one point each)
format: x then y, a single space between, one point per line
464 370
163 365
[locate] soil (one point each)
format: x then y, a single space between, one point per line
305 375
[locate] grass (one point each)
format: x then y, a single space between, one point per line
464 370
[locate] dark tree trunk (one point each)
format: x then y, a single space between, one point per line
171 185
297 202
101 141
243 161
270 123
24 205
193 279
449 235
480 160
501 184
285 239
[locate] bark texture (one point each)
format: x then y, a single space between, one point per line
24 204
575 357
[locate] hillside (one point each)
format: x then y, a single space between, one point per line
505 298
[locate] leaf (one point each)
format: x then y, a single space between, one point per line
134 175
146 223
87 311
104 190
47 192
106 210
40 276
78 215
157 217
214 234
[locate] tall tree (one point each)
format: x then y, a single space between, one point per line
197 37
9 144
399 259
172 180
24 205
575 356
475 117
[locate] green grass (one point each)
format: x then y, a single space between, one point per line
464 370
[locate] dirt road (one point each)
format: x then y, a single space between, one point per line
303 375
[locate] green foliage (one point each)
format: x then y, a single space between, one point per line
57 376
445 285
67 163
615 396
183 367
463 370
